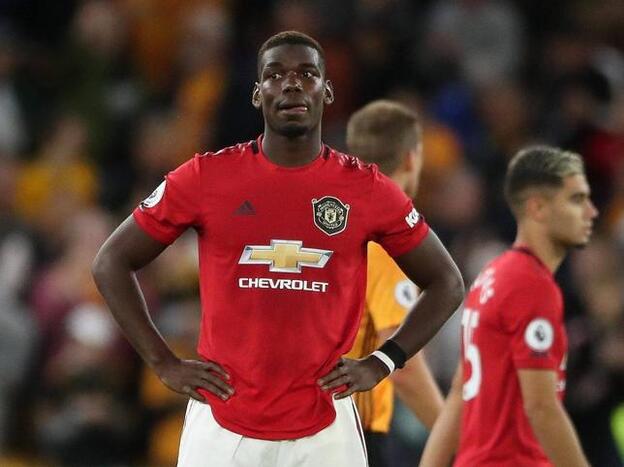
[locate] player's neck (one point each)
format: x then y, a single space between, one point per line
292 152
547 251
398 178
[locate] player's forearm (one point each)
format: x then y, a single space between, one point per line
556 435
434 307
118 285
418 390
444 438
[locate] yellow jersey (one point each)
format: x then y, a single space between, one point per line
389 296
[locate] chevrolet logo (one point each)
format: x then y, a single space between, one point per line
285 256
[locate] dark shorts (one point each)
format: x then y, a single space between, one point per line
377 447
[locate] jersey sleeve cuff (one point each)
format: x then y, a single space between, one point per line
147 225
410 243
535 363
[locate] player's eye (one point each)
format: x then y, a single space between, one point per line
275 76
307 74
579 198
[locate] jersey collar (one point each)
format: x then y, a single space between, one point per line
256 147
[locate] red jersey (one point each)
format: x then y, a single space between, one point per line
282 258
512 320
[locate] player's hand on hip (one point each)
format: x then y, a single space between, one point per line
187 376
356 375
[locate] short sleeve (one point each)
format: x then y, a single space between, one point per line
532 318
390 295
174 206
398 227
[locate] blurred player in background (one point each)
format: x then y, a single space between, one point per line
508 390
389 134
283 223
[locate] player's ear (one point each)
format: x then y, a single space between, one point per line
409 160
536 207
329 92
412 159
256 100
405 165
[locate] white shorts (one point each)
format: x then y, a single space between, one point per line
205 443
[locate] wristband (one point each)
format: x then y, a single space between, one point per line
394 352
384 359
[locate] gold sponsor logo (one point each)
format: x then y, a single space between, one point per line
285 256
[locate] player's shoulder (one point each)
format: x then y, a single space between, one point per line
520 274
227 154
522 288
352 163
519 265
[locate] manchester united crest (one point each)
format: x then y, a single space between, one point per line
330 214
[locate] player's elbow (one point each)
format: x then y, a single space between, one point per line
454 287
103 265
99 266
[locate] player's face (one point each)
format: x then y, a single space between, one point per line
572 213
292 89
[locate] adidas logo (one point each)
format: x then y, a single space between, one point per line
245 209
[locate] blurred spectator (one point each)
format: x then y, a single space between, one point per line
442 149
83 416
596 365
458 204
104 92
382 38
157 27
202 69
17 331
12 130
507 123
578 111
59 180
507 118
82 405
484 38
153 29
604 151
66 282
614 213
153 153
311 17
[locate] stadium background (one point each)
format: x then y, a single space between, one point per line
98 99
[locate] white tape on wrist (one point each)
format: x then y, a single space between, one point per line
384 359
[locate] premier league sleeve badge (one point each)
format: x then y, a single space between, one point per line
330 214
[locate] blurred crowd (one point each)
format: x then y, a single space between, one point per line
100 98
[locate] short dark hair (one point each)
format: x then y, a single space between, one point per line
382 132
291 38
538 167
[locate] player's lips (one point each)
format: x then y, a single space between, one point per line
292 107
588 230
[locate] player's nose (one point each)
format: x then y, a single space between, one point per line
592 210
292 82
